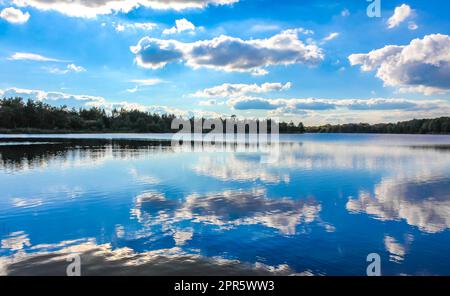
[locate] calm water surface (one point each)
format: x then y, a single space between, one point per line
134 204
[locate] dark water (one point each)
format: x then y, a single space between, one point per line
317 204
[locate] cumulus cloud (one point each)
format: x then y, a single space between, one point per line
422 66
231 90
229 54
181 25
92 8
26 56
401 13
71 68
14 15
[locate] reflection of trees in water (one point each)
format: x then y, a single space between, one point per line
21 154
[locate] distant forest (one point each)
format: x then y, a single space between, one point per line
18 116
417 126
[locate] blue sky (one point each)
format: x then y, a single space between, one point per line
312 61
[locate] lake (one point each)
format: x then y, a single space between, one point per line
139 205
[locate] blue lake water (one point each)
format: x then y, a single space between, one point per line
313 205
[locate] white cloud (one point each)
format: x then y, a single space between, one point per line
228 53
32 57
76 68
70 68
144 26
180 26
144 82
120 28
330 37
229 90
92 8
148 82
345 13
210 103
401 13
133 90
264 28
422 66
55 98
134 26
14 16
412 26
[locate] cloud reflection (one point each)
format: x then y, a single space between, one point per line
232 167
104 260
421 202
229 209
16 241
397 251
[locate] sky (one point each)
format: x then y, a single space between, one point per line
307 60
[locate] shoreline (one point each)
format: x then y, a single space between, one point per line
87 132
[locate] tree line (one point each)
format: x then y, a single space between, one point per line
416 126
16 115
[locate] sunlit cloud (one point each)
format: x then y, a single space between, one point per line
14 16
91 9
70 68
401 13
26 56
181 25
422 66
231 90
330 37
121 27
229 54
148 82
